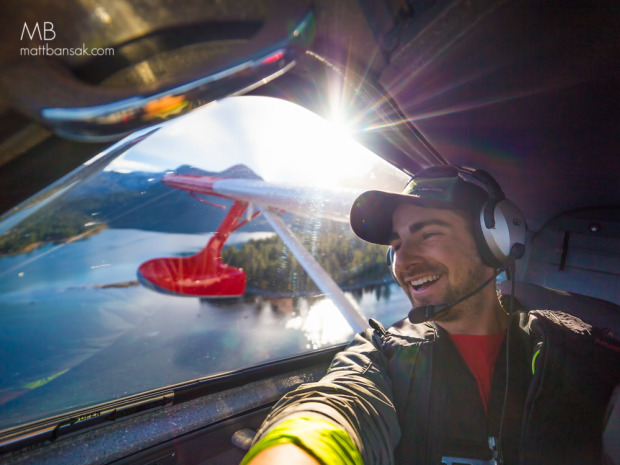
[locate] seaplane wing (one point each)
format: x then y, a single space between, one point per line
329 203
204 275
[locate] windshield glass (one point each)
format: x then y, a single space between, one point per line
153 265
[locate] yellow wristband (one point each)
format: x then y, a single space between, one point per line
328 443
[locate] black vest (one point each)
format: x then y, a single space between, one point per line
440 409
552 417
464 427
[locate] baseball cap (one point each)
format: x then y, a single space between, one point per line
434 187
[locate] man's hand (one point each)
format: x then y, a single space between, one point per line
284 454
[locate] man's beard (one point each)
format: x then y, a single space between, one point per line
452 294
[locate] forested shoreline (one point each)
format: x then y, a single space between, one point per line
271 266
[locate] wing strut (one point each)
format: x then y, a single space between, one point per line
324 282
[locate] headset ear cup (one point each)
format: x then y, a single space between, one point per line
498 245
487 256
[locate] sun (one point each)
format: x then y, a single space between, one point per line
305 148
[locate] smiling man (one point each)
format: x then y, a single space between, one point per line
436 260
467 377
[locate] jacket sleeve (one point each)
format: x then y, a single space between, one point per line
355 394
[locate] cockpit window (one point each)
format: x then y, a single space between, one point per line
206 247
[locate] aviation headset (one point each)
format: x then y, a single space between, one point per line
499 225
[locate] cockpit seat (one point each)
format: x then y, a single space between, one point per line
593 311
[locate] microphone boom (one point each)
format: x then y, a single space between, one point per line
426 312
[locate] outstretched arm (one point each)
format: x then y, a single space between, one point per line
346 418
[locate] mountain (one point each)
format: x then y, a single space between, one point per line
139 200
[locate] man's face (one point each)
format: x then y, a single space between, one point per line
435 257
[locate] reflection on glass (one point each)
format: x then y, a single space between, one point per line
76 326
321 324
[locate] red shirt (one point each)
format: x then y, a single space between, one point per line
480 354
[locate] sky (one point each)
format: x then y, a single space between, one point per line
278 140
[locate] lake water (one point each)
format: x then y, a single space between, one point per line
66 342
